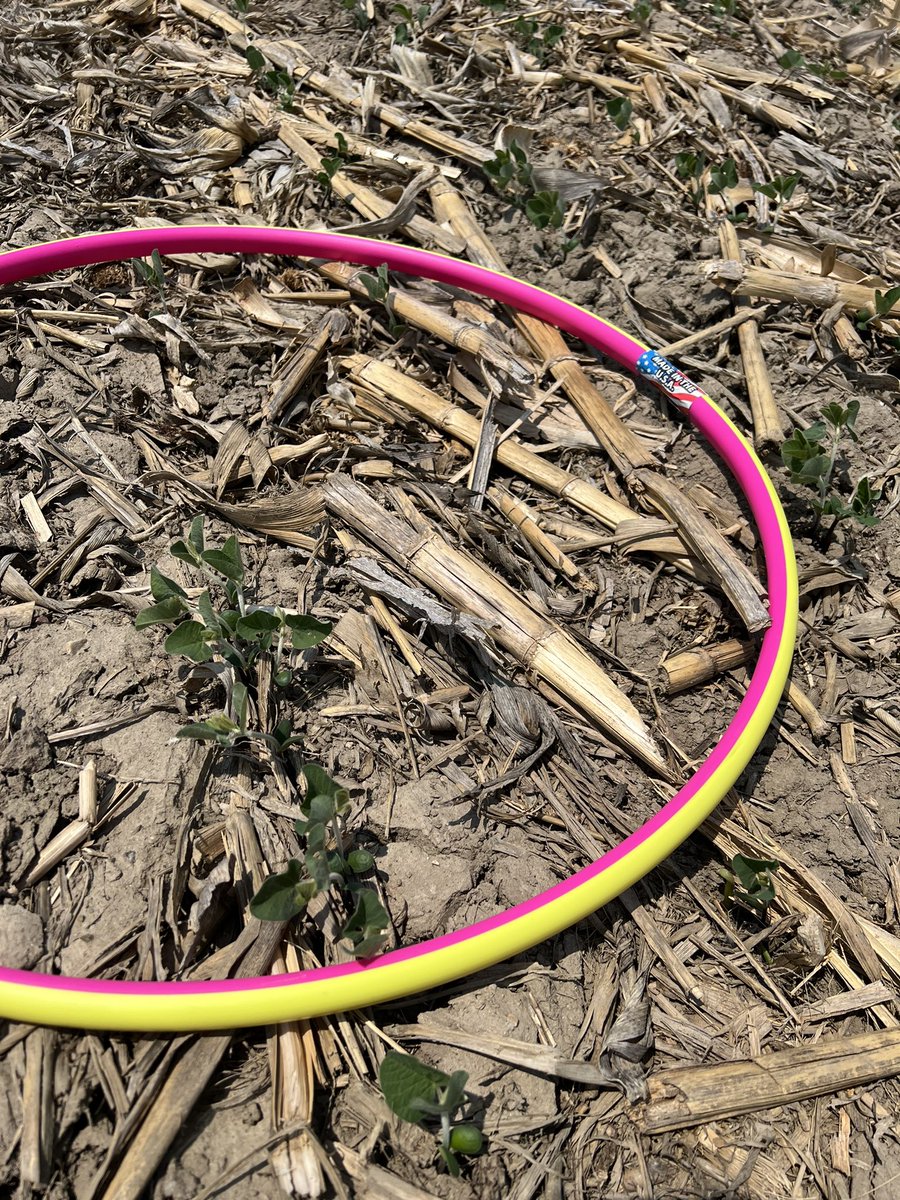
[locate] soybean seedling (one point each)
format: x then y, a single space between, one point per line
641 13
416 1092
275 80
884 302
512 177
378 287
334 162
535 40
359 12
690 167
619 110
811 455
152 274
409 28
326 868
234 637
749 883
231 631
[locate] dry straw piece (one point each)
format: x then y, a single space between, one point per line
536 642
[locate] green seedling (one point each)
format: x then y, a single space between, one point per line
512 177
791 60
410 26
334 162
884 302
233 632
749 883
780 189
545 209
153 274
235 636
358 11
536 41
722 177
641 13
619 110
378 287
811 455
690 167
327 864
276 81
416 1092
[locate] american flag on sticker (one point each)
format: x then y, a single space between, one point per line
668 378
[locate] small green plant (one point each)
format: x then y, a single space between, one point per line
414 1092
358 11
276 81
285 896
791 60
749 883
512 177
545 209
334 162
619 110
153 274
722 177
641 13
378 287
236 632
410 26
221 626
780 189
811 455
884 302
536 41
690 167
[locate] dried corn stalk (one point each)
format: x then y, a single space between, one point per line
537 643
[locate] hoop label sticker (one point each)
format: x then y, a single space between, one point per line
668 378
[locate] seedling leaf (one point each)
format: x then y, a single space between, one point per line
367 928
162 587
320 783
306 631
406 1083
257 625
282 897
167 610
189 639
226 561
219 729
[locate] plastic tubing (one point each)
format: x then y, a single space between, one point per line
225 1004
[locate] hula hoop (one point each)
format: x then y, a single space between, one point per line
225 1004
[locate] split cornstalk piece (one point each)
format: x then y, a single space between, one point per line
385 216
537 643
461 334
627 453
684 1096
813 290
768 423
298 361
457 423
717 555
621 444
518 513
700 664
